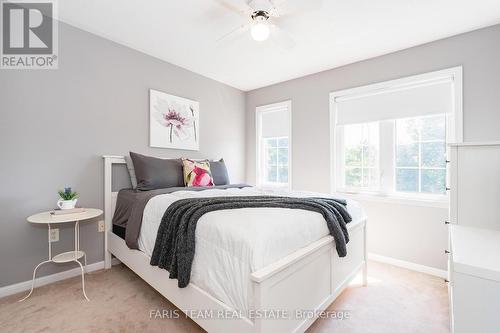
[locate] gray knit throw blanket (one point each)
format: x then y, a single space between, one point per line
175 241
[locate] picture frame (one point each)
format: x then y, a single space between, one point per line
173 121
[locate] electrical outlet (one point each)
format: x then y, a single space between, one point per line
54 235
100 226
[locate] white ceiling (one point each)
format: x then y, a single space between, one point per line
184 33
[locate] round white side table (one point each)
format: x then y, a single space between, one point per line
48 219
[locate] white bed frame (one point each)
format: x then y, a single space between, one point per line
309 279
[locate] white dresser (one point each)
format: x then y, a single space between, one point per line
474 255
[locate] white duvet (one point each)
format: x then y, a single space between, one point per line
231 244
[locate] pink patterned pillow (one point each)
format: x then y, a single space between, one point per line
197 173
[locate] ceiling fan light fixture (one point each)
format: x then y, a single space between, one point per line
260 32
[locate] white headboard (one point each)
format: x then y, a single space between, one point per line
109 201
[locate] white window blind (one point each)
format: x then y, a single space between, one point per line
415 100
275 122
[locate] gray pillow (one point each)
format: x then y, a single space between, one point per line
219 172
154 173
131 172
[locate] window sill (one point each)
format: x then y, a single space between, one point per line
394 199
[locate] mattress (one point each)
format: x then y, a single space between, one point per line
231 244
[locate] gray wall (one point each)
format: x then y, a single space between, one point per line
416 234
55 125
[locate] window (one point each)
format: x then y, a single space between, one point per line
390 138
421 155
273 145
276 156
361 156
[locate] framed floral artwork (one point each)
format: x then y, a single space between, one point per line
173 121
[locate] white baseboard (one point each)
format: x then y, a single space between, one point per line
44 280
409 265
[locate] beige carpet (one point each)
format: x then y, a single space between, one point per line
396 300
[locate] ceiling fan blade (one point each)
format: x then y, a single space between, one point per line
285 21
282 38
233 34
287 7
265 5
239 7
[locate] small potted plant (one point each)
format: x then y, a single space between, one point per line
67 199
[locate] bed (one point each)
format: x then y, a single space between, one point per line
254 282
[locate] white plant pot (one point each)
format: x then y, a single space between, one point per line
66 204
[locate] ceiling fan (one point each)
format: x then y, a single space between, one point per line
266 18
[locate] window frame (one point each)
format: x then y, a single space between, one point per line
259 111
454 134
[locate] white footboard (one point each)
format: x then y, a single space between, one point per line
307 280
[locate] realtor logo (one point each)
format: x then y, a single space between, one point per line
29 34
